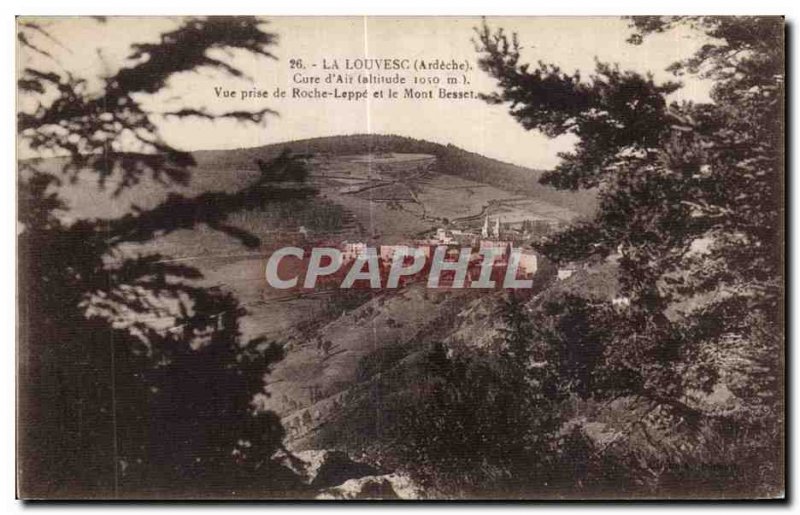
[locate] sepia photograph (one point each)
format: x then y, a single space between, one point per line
401 258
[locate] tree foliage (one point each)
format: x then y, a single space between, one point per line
691 204
135 379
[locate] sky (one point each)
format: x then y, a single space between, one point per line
93 50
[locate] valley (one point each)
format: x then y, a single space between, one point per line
340 347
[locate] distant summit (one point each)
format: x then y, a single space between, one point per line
451 160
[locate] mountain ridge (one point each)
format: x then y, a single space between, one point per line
451 160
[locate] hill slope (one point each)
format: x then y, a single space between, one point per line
451 160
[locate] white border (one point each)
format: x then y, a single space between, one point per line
318 7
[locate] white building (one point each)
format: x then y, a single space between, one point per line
565 273
443 237
352 250
495 232
528 262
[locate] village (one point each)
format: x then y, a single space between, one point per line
495 257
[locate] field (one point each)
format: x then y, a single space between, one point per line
396 196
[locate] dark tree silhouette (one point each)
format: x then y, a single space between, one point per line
110 404
691 198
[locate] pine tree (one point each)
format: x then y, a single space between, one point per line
690 195
109 404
